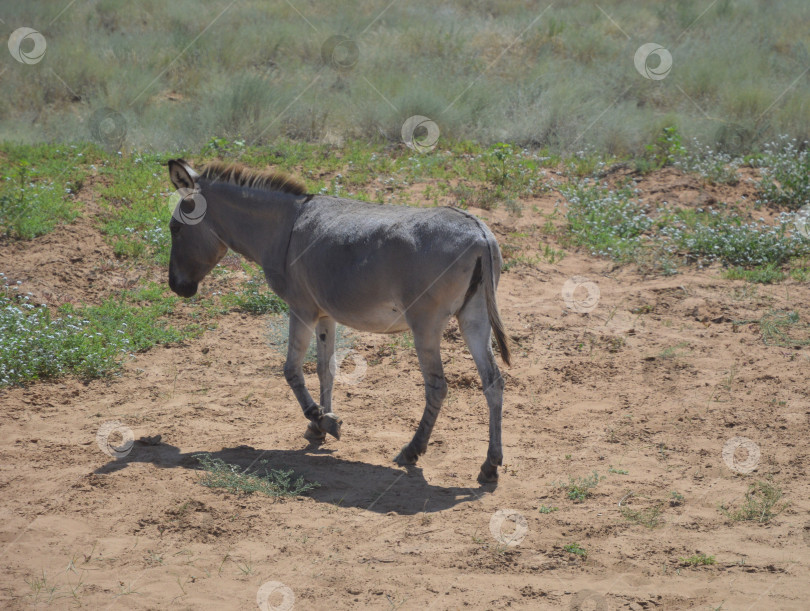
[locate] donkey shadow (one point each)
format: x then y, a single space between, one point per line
345 483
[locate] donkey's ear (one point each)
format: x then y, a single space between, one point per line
182 174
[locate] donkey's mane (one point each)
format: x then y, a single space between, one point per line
243 176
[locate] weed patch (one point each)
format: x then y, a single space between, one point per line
763 502
271 482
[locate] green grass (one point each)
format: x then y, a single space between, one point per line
271 482
613 222
136 207
707 235
698 560
769 273
561 77
763 502
254 296
576 549
86 341
38 185
607 222
610 221
547 509
579 489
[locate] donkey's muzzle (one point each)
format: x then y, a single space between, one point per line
183 289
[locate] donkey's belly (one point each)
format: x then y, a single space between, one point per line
384 318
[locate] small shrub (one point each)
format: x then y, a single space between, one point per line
649 517
785 175
712 165
608 222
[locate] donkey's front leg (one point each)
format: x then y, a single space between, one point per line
427 339
325 341
321 420
325 338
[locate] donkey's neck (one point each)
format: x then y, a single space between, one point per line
256 223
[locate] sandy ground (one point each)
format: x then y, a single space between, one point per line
653 381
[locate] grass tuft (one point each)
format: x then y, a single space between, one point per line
762 503
580 488
271 482
698 560
576 549
781 328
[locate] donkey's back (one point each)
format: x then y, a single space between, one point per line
367 265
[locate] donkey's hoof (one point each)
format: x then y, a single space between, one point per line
406 456
488 473
329 423
314 434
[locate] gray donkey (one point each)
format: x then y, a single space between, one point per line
372 267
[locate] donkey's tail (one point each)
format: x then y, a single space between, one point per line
487 272
495 321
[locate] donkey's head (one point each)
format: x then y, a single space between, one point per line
196 249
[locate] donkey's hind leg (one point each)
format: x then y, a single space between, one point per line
475 328
325 340
427 337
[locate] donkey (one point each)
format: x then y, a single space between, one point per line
372 267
